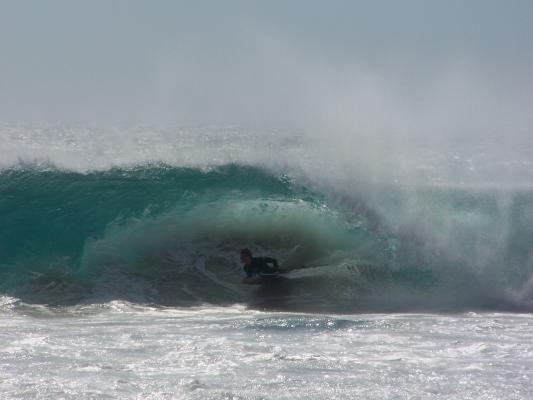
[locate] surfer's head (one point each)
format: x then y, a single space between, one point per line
246 256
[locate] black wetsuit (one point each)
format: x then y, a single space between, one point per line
259 266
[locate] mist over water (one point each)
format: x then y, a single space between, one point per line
107 220
394 153
380 151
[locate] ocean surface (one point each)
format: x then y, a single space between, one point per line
409 276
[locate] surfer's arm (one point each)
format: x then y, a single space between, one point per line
248 270
250 278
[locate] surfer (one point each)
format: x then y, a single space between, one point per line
257 267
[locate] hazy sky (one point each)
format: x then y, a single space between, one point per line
271 63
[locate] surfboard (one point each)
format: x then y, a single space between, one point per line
265 278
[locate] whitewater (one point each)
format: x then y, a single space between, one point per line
410 271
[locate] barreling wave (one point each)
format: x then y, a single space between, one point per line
168 235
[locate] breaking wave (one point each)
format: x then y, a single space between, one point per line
168 235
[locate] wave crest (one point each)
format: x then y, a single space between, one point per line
166 235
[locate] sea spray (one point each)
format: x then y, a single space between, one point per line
170 235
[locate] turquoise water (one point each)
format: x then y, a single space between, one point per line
120 276
170 235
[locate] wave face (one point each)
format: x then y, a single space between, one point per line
171 235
